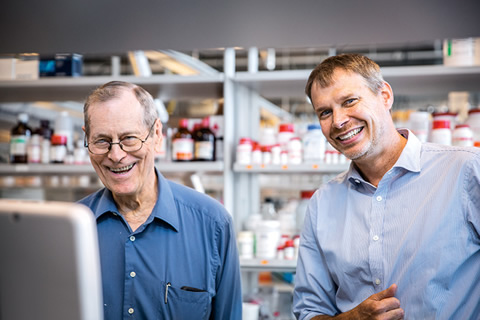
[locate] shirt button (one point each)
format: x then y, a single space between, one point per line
357 181
375 238
132 238
133 274
379 198
377 281
130 310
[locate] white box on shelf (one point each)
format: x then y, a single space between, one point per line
27 69
461 52
7 68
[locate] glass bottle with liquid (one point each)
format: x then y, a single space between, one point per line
182 143
204 142
20 135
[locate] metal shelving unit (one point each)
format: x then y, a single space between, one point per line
259 265
291 168
408 80
77 89
80 169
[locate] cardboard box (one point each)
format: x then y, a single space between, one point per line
68 65
7 68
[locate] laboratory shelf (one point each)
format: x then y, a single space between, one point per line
78 88
273 265
291 168
79 169
405 80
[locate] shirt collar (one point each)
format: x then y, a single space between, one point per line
409 158
164 209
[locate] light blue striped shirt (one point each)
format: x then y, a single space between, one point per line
420 229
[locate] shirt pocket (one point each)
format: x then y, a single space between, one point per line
182 304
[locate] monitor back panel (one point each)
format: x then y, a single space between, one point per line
49 266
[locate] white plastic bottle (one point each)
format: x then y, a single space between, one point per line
462 136
295 151
244 151
441 132
64 127
314 144
473 121
419 122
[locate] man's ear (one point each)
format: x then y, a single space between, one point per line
387 95
158 135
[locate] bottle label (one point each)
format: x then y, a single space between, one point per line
182 149
18 145
204 150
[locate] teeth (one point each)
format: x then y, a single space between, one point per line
350 134
121 169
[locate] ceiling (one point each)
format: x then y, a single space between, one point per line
113 26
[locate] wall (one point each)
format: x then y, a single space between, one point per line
112 26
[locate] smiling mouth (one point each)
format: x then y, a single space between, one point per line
122 169
350 134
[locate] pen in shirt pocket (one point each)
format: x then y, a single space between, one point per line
166 291
186 288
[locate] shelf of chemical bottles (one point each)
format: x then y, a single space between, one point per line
272 265
291 168
77 88
80 169
405 80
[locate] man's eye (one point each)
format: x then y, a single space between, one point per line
130 140
101 142
350 101
323 114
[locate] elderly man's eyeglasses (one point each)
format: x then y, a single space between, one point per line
127 144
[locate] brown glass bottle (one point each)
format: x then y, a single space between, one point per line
182 143
204 142
20 135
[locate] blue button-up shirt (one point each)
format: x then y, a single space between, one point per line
182 263
420 229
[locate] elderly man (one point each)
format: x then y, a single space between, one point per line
167 251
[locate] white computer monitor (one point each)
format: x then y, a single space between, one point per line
49 265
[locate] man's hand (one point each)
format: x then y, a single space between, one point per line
382 305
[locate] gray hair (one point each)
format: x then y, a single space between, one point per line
111 90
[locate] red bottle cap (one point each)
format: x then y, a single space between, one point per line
441 124
286 127
59 139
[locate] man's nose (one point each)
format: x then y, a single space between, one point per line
116 153
340 118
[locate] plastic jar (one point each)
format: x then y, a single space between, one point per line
449 116
257 154
285 133
441 132
289 250
462 136
276 153
314 144
295 151
58 148
267 235
64 127
244 151
246 244
473 121
419 122
34 149
266 155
